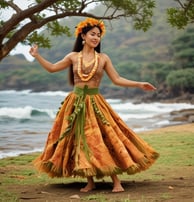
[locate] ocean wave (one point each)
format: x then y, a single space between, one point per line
51 93
127 117
26 112
30 92
22 92
153 108
126 111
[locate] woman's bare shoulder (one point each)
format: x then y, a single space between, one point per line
72 54
104 56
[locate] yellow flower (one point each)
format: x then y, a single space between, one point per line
90 22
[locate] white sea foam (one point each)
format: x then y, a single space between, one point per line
18 113
125 110
22 92
51 93
27 92
128 117
4 154
24 112
155 107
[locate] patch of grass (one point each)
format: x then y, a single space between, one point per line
95 197
175 148
165 196
8 196
18 160
104 198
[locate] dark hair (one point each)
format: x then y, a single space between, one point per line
78 46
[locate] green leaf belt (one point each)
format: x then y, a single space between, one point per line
86 91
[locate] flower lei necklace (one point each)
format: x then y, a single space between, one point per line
82 75
88 64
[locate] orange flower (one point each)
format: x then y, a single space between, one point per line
90 22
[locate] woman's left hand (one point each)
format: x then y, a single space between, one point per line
147 86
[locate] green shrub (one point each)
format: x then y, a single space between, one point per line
181 80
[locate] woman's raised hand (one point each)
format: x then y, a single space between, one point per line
34 50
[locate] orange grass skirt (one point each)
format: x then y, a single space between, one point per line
89 139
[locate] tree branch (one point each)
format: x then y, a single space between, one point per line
189 5
17 18
180 3
14 6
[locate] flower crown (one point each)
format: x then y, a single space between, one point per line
90 22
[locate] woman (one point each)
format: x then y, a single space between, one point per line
88 138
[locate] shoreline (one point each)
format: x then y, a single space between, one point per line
184 127
187 127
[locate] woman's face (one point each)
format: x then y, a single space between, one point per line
93 37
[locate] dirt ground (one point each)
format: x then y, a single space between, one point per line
171 187
178 188
174 187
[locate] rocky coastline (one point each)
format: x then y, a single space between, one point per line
183 116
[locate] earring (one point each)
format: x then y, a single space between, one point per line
83 42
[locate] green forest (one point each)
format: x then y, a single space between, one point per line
162 55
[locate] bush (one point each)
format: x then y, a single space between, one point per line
181 80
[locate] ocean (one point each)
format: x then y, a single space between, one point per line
26 117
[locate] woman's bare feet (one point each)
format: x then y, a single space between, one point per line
90 186
117 187
87 188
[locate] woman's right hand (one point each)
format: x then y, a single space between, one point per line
147 86
34 50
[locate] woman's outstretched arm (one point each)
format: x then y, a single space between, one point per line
50 67
121 81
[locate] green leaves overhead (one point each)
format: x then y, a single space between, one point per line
181 16
141 11
3 4
40 39
68 4
56 29
177 18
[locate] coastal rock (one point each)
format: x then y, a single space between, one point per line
184 115
191 119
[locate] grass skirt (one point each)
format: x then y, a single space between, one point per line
89 139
